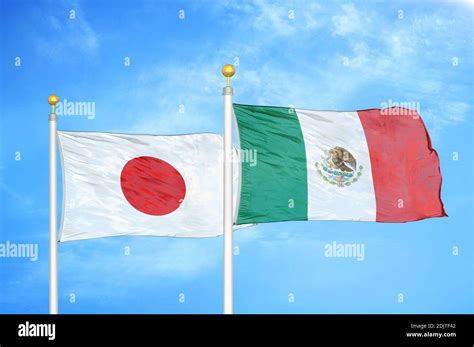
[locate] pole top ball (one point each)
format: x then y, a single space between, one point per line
53 100
228 70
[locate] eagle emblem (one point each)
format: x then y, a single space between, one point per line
339 167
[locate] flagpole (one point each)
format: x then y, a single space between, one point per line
53 209
228 71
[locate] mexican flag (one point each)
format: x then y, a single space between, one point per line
370 165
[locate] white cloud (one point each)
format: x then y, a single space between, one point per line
67 36
443 114
406 54
391 52
178 99
351 21
457 110
272 18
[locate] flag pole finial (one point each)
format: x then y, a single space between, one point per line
228 71
53 100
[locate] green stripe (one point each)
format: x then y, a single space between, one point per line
276 188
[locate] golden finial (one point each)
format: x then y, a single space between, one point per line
228 71
53 100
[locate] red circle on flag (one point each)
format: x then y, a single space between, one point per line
152 186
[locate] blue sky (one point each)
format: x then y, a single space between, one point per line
339 55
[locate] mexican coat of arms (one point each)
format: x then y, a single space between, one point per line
339 167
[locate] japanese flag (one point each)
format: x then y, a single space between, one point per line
118 184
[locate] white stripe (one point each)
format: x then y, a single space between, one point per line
322 131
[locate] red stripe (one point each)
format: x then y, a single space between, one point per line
405 168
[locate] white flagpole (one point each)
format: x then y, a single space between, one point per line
53 209
228 71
